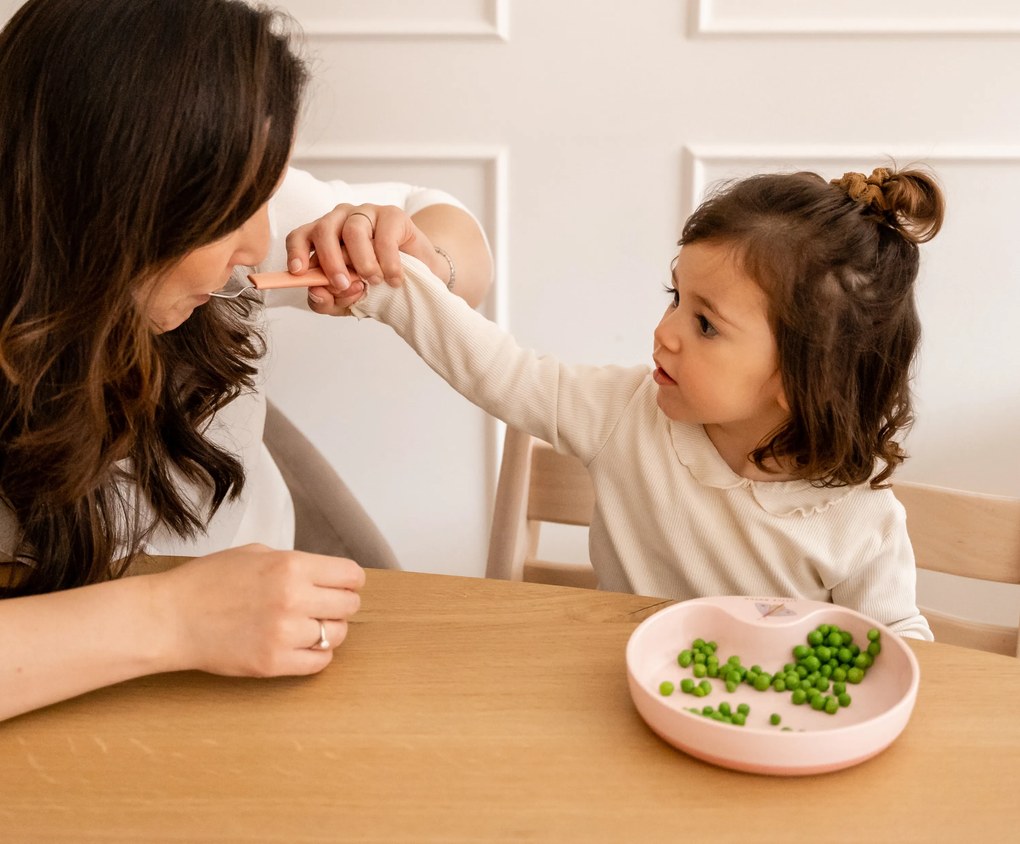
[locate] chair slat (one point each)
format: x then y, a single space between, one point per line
963 533
561 488
972 634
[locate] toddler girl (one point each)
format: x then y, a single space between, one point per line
753 456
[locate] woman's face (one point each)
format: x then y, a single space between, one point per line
188 284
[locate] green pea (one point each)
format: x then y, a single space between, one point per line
762 682
707 710
744 708
863 660
724 708
844 655
740 719
697 691
818 702
823 653
831 705
834 639
685 658
700 670
734 661
815 637
712 646
874 648
844 699
855 675
774 719
801 651
812 663
731 687
839 674
704 684
779 684
687 685
874 635
698 644
666 688
713 669
700 658
799 696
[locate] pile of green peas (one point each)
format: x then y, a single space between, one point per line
818 675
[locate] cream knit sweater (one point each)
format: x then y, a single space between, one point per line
671 518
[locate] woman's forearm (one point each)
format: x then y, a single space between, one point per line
456 233
60 645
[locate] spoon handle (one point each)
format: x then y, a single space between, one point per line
314 277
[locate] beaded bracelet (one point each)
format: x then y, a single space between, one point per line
453 269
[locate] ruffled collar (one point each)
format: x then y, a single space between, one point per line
696 452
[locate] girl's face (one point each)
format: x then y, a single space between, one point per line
715 356
188 284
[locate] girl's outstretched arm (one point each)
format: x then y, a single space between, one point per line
248 611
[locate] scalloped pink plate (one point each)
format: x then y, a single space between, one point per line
764 631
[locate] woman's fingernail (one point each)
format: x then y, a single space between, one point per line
341 281
294 265
315 297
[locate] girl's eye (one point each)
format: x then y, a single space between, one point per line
706 328
674 293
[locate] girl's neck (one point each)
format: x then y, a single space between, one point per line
735 443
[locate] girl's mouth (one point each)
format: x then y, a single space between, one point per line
660 377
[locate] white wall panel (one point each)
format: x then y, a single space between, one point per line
421 459
436 18
855 17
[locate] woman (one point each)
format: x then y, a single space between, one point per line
138 156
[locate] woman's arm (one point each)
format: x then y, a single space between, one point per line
442 221
456 233
248 611
354 243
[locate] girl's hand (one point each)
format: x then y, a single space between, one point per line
255 612
356 245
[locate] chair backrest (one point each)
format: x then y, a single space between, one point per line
966 534
536 485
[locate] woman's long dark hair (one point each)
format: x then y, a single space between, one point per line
131 133
838 262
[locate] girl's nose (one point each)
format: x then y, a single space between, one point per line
666 334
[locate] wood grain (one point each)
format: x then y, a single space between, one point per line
468 710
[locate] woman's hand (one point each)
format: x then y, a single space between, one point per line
357 245
255 612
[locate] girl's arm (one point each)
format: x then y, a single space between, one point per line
884 587
248 611
575 408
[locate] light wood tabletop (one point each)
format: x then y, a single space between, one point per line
469 710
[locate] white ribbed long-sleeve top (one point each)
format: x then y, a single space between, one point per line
671 518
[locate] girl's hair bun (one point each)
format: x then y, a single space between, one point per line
909 201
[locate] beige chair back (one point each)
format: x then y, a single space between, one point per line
965 534
536 485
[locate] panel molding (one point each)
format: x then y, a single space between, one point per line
494 26
696 159
494 160
706 21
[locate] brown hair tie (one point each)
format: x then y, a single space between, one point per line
866 189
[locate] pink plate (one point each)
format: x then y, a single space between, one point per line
763 631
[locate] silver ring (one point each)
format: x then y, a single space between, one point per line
362 214
323 643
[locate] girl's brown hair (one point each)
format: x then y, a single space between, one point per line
837 262
131 132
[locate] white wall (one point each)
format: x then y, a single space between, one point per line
582 132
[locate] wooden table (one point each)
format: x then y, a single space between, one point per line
464 710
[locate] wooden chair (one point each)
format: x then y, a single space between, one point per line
960 533
536 485
965 534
